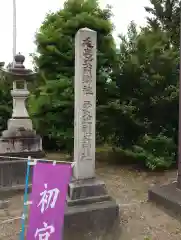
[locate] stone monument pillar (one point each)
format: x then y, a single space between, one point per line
85 104
20 139
89 204
169 195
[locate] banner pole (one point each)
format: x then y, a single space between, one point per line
23 218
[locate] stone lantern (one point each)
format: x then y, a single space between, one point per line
20 138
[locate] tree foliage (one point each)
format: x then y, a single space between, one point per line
5 101
165 14
137 109
148 92
52 103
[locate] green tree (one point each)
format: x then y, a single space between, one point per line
148 92
165 14
5 100
52 103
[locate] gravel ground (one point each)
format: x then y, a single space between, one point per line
10 221
139 218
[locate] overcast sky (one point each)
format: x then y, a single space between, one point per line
30 14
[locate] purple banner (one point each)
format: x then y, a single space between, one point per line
49 190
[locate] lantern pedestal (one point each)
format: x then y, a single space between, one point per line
20 117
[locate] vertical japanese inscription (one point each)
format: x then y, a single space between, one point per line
87 108
87 66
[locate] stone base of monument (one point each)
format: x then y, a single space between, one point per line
91 213
167 196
